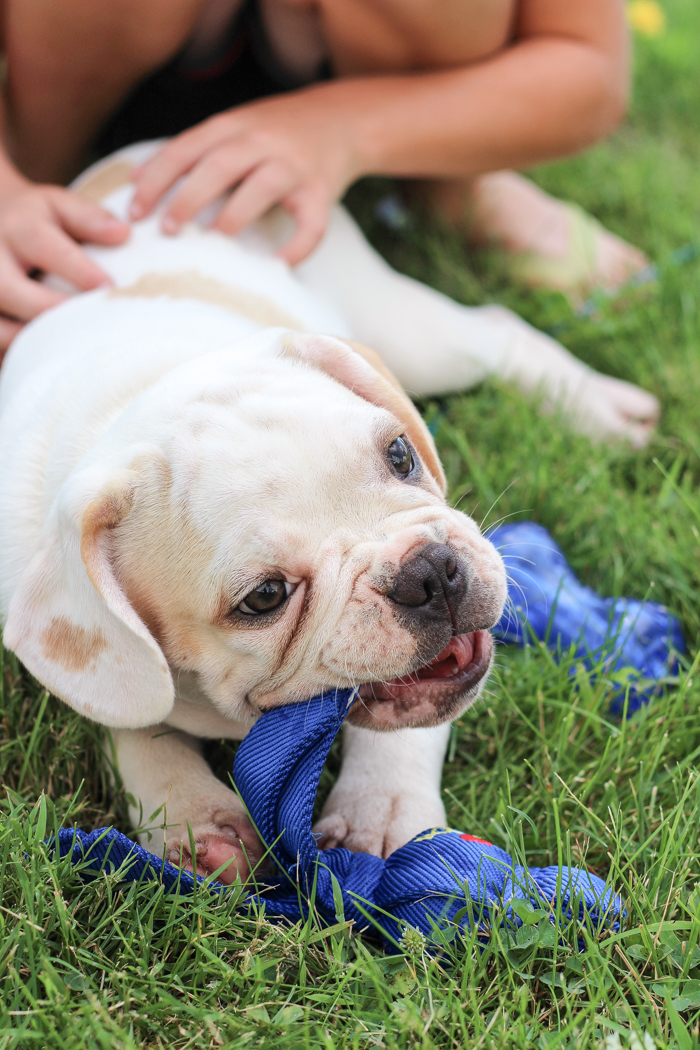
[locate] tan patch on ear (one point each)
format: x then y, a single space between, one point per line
105 181
416 429
190 284
71 646
103 513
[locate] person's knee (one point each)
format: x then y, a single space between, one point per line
608 101
615 105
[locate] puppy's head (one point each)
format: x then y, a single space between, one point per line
267 525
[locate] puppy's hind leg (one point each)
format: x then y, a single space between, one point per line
435 346
171 786
430 343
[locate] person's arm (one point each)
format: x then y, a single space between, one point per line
561 85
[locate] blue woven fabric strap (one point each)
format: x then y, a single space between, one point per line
428 881
638 640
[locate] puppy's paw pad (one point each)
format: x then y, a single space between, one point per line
211 853
234 844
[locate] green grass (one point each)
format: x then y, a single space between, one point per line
538 766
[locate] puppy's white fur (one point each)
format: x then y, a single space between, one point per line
171 442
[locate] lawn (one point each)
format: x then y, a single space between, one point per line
539 766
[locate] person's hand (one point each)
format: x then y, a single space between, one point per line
40 227
297 150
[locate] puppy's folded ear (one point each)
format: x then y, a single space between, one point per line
362 370
70 622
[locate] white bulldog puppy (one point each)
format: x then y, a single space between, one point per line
209 509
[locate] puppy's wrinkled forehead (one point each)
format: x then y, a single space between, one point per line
282 449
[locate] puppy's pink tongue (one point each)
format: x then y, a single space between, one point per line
457 654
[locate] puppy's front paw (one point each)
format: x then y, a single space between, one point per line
377 824
228 838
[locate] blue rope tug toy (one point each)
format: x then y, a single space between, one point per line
638 640
427 884
442 879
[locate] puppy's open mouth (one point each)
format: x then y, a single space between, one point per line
432 693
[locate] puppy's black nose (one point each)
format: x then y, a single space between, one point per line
433 584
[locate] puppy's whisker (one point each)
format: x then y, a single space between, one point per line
481 526
464 495
511 611
535 583
505 517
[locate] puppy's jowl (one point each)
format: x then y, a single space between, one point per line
207 511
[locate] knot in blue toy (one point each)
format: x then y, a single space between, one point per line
424 884
427 884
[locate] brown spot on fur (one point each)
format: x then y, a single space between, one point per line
105 181
71 646
190 284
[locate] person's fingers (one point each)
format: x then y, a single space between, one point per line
309 208
8 330
20 296
174 159
53 251
86 221
265 186
217 172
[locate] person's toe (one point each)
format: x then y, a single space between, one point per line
617 261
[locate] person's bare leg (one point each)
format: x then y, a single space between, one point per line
551 243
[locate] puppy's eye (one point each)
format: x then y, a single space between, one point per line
268 596
400 457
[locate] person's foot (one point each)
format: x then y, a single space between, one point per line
547 243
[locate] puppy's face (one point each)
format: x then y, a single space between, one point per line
292 539
264 525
